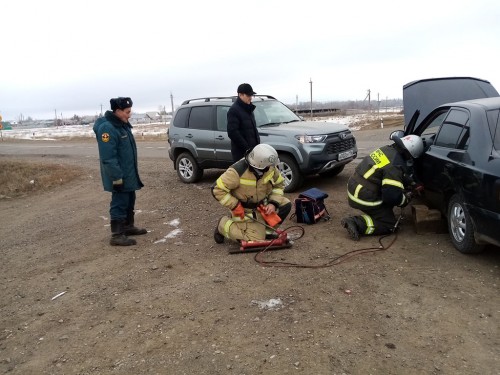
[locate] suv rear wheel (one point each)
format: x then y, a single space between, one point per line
291 173
187 168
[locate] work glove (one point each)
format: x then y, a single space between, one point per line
272 218
118 186
238 211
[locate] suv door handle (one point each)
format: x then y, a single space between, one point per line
220 138
189 135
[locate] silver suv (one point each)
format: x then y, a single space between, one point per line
198 140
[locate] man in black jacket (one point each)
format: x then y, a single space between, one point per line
241 125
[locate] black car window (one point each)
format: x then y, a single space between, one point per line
180 120
463 140
435 123
222 118
494 125
200 118
452 133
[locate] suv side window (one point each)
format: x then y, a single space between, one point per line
453 132
200 118
181 116
222 118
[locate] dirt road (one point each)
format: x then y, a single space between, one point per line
177 303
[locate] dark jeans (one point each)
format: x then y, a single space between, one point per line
122 203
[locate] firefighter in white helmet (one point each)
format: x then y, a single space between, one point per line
251 182
380 182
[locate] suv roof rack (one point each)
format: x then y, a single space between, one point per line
232 98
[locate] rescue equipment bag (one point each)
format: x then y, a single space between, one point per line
310 207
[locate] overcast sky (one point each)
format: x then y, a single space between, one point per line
69 57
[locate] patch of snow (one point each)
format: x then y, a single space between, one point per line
272 304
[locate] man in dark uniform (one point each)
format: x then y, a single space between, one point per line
241 125
119 172
378 184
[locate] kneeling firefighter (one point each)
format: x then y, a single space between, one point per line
380 182
252 188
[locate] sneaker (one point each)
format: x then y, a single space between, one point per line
218 238
349 224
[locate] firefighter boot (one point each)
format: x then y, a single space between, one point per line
118 237
350 224
218 238
130 229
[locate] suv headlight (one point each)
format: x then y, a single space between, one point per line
311 138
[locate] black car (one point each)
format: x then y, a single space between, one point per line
460 167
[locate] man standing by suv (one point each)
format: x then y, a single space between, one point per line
119 171
241 125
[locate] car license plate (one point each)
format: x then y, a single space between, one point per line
345 155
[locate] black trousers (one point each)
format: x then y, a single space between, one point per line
122 204
378 220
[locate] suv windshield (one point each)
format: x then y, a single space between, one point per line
271 112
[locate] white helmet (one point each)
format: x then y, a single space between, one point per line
412 143
262 156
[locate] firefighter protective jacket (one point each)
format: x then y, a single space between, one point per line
379 179
239 184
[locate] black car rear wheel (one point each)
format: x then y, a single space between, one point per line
187 168
290 172
460 227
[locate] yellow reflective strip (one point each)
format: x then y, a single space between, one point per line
388 181
221 185
358 188
370 228
267 178
227 225
247 182
379 158
403 200
362 202
369 172
225 199
280 179
278 191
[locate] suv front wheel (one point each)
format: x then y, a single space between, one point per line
290 172
187 168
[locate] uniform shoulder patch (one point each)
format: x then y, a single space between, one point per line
105 137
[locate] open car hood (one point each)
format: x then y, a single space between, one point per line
425 95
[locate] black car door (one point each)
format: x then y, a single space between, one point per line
446 165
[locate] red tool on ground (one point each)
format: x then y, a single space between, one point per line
281 242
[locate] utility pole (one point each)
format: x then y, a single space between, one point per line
311 83
296 103
55 114
172 102
101 110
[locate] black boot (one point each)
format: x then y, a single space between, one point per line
218 238
130 229
118 237
350 224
